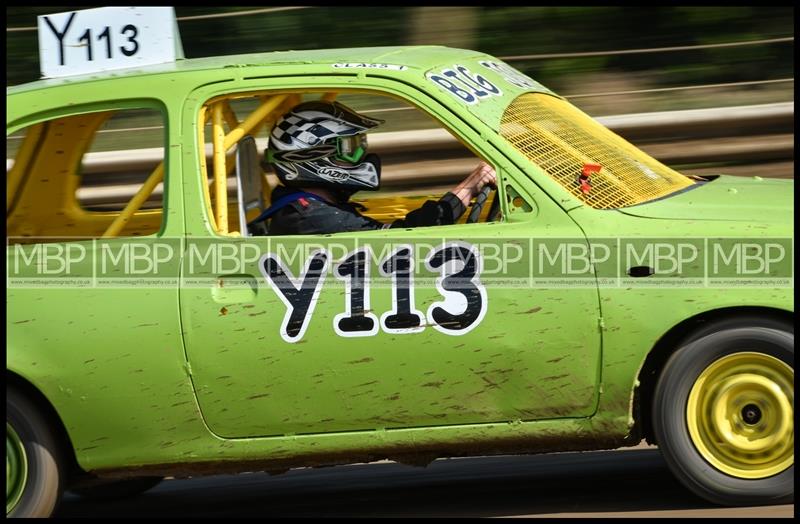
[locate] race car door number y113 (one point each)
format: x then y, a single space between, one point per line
459 267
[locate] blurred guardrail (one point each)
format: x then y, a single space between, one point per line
718 136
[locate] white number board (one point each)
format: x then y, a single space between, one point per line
107 38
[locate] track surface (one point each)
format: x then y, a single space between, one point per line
629 483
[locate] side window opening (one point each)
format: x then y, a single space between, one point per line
228 120
420 159
126 150
86 176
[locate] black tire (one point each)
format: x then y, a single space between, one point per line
737 322
116 489
42 489
671 428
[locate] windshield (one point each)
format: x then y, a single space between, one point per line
599 167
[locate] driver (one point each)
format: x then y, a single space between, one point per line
319 152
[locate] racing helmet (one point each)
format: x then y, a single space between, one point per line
324 144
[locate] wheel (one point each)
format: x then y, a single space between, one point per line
723 416
116 489
34 468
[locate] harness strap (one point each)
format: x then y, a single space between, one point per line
283 202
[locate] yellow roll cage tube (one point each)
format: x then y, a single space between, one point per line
219 112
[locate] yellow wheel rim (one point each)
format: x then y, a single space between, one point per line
740 415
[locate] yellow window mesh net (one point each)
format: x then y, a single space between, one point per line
599 167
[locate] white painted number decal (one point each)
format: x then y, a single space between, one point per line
357 321
298 294
464 84
458 264
403 318
464 305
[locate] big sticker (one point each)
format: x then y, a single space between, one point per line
465 85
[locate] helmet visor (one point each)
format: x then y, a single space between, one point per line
351 148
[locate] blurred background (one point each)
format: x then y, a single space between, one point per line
572 50
608 61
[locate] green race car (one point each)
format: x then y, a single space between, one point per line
595 299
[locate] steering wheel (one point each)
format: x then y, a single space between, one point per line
477 207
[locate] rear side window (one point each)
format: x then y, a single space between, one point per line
85 176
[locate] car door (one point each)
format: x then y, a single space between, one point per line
391 328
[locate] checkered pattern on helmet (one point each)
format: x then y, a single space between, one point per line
295 128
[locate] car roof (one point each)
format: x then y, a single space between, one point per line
413 57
